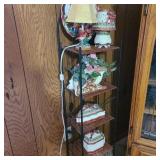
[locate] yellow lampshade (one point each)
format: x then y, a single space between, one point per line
82 13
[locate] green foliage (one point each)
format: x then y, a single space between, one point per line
90 61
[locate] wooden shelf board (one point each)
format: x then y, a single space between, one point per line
77 150
108 87
103 29
90 126
93 49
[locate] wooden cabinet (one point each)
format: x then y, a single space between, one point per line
142 129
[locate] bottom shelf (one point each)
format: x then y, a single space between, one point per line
103 151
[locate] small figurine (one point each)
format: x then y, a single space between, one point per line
84 36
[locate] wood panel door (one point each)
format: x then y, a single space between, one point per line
19 131
36 26
146 43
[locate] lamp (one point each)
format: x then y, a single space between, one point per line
105 24
83 13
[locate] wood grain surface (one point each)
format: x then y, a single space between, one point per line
140 150
17 109
37 34
7 145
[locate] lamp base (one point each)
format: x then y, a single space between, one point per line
102 45
102 39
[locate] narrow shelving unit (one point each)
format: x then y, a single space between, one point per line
76 146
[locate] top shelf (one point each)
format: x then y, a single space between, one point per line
93 49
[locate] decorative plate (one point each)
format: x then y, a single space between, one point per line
71 28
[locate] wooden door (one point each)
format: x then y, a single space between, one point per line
19 131
36 27
143 63
32 90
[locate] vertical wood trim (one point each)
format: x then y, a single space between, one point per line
136 74
7 144
17 109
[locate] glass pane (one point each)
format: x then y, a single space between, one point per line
149 117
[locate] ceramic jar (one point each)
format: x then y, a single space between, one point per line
102 38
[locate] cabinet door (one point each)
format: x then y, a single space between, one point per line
142 120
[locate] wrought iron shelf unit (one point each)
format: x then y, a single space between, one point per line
77 146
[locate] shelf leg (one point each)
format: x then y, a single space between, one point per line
66 124
81 98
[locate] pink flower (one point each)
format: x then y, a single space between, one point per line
93 56
89 69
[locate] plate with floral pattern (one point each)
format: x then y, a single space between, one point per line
71 28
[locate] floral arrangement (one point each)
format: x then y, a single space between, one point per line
94 70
